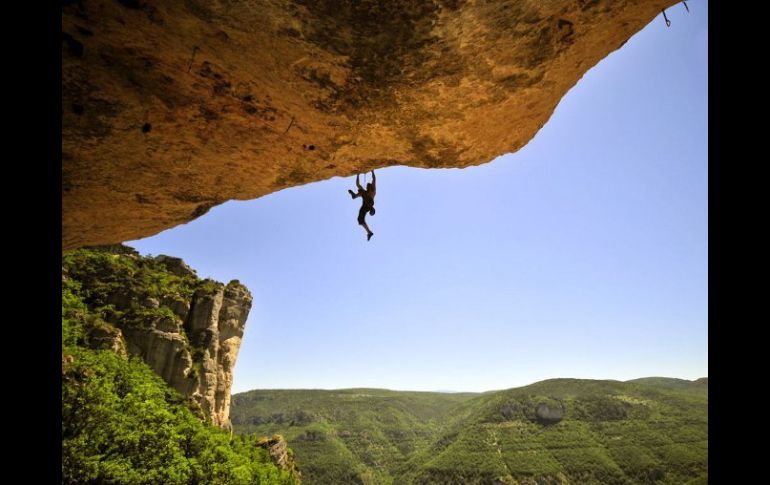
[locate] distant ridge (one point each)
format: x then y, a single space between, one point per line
649 430
670 382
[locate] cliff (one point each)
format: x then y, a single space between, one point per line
186 329
172 107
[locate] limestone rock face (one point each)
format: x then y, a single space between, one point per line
236 303
172 107
164 349
215 326
197 356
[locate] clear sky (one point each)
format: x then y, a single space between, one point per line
584 254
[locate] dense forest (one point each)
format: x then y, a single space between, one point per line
557 431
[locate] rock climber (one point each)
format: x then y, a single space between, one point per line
367 204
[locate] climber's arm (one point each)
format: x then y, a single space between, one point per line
374 183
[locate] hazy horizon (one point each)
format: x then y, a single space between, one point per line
444 391
582 255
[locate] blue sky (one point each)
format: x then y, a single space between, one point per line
584 254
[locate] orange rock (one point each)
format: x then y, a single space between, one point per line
172 108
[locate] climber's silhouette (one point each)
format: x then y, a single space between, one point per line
367 204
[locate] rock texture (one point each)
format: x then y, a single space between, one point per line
107 337
279 452
195 354
172 107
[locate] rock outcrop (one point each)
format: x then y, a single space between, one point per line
172 107
279 452
548 413
187 330
109 338
196 353
175 265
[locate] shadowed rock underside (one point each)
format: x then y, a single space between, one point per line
170 108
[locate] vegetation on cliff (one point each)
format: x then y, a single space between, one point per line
113 281
121 423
